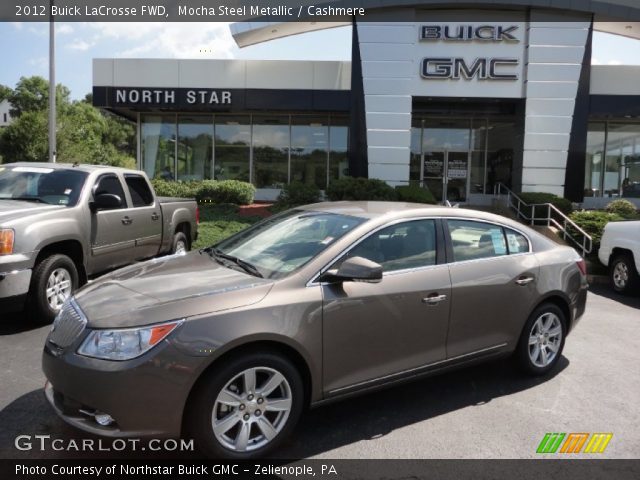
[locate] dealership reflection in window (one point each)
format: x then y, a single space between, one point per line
232 147
309 150
195 147
158 137
271 144
338 145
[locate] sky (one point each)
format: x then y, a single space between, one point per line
25 47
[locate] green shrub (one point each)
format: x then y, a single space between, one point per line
225 191
593 222
622 207
207 191
165 188
560 203
349 188
414 194
298 193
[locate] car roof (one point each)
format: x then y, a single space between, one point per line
373 209
68 166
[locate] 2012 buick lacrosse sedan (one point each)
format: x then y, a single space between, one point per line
228 345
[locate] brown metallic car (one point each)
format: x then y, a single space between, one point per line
229 344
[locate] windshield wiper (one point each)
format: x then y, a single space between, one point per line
246 266
28 199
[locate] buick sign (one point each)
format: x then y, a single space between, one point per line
468 33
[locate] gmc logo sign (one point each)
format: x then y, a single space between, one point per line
491 33
480 68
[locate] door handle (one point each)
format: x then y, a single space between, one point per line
127 221
434 299
154 216
522 281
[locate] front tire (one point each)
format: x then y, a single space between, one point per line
623 274
246 407
53 281
542 340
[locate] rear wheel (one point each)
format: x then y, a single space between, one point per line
53 281
623 274
246 407
542 339
180 243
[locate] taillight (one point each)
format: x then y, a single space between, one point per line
197 215
582 265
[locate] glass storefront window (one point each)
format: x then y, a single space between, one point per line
271 144
594 164
195 147
158 142
309 150
415 160
445 134
500 151
621 160
232 147
612 163
338 146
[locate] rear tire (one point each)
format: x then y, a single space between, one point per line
180 243
252 420
542 340
53 281
623 274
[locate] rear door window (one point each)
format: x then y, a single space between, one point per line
139 190
473 240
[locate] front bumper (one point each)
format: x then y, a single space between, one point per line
145 396
14 283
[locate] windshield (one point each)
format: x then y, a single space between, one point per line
283 243
43 185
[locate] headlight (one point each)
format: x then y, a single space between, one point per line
125 344
6 241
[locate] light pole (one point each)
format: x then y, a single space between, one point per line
52 86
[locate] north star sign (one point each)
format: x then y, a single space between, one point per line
163 96
483 68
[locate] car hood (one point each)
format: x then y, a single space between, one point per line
16 209
167 288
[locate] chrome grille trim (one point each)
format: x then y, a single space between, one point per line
68 325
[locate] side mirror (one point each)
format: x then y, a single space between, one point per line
106 201
355 269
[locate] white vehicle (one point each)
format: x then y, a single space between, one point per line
620 251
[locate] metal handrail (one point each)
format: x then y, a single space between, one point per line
587 242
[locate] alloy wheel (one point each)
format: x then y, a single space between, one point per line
251 409
545 339
58 288
620 275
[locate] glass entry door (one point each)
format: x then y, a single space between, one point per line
445 174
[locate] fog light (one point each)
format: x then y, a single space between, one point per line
103 419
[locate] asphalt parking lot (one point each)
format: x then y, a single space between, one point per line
488 411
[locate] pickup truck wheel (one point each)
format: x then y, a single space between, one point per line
53 281
623 274
180 243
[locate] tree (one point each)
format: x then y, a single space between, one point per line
25 140
32 94
4 92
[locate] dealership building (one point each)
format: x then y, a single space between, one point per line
456 98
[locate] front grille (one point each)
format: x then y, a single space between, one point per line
68 325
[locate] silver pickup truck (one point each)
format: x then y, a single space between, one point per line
61 225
